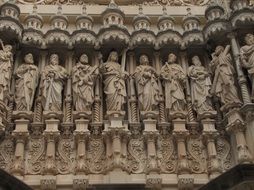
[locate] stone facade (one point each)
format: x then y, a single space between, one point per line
125 92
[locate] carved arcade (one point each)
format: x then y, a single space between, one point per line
128 101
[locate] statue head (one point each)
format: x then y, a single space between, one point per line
83 59
113 56
29 58
219 50
143 60
8 48
249 39
54 59
196 61
172 58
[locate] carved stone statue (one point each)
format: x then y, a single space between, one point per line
223 84
6 64
174 80
53 77
200 86
83 82
247 57
147 87
26 83
114 83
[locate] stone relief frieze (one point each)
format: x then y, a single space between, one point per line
96 154
36 155
196 155
136 159
6 153
120 2
224 153
166 152
65 155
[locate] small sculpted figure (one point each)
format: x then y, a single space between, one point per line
223 84
174 80
147 87
26 83
53 77
247 57
6 65
83 82
200 86
114 83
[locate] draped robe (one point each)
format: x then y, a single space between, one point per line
25 86
223 84
114 86
200 87
147 87
83 82
6 64
174 77
53 86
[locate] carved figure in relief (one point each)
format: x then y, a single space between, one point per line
247 57
26 83
53 77
147 87
83 82
6 64
114 83
200 86
223 84
174 80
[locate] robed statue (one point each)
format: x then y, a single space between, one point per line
114 78
83 82
53 77
247 57
174 81
26 83
146 83
6 66
200 86
223 83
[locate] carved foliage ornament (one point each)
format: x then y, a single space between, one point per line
120 2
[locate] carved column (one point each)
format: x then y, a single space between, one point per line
241 78
20 134
116 148
81 134
180 135
180 132
51 134
210 135
151 134
236 127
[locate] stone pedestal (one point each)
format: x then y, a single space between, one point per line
20 133
51 134
116 120
210 134
237 128
180 132
81 134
